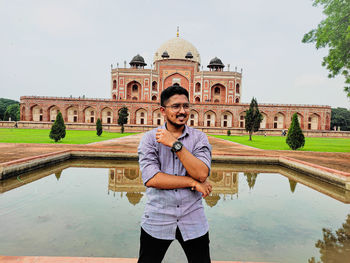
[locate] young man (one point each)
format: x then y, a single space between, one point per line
175 163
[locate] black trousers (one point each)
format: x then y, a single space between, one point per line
152 250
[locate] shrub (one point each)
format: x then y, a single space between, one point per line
123 117
99 127
228 132
295 137
58 129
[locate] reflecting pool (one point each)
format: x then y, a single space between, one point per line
93 208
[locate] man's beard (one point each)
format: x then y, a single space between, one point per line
177 126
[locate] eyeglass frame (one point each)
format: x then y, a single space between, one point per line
180 105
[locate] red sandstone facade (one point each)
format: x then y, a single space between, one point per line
215 96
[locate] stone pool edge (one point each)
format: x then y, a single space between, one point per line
335 177
43 259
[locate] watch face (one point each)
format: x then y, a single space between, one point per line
177 146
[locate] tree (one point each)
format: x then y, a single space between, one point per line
123 117
340 118
334 248
251 179
334 32
295 137
58 129
292 185
4 103
253 118
99 127
12 112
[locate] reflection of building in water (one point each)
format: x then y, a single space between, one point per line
224 182
127 180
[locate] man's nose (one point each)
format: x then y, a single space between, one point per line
182 109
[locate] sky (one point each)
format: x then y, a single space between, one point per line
66 47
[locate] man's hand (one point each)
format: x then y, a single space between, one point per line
163 136
204 188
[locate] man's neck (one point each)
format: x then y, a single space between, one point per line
174 130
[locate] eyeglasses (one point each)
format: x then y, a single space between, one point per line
177 107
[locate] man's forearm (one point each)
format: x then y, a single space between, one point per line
168 181
194 167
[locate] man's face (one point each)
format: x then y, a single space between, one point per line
175 111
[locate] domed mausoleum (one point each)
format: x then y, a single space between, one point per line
215 97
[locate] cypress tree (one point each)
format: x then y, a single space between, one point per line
123 117
58 129
99 127
253 118
295 137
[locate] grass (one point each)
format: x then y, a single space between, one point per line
279 143
42 136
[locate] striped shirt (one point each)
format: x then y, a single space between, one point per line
168 209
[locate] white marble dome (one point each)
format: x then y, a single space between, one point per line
177 48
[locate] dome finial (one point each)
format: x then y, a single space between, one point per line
177 34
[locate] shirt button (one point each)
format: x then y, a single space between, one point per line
177 206
175 190
176 157
177 220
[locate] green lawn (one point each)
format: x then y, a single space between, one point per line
279 143
42 136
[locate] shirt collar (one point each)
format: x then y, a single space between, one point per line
184 132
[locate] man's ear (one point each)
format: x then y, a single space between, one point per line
162 111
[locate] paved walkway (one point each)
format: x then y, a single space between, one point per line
17 151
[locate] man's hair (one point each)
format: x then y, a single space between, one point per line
171 91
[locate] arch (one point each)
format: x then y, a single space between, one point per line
193 118
52 112
327 126
141 116
154 86
72 114
90 115
237 100
178 78
157 118
197 99
242 119
37 113
154 98
313 121
114 96
23 113
133 90
226 119
209 119
278 121
237 88
218 93
263 121
107 115
114 84
197 87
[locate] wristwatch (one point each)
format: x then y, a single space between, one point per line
177 146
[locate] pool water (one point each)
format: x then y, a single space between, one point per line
93 208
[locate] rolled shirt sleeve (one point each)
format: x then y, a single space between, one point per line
202 150
148 157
